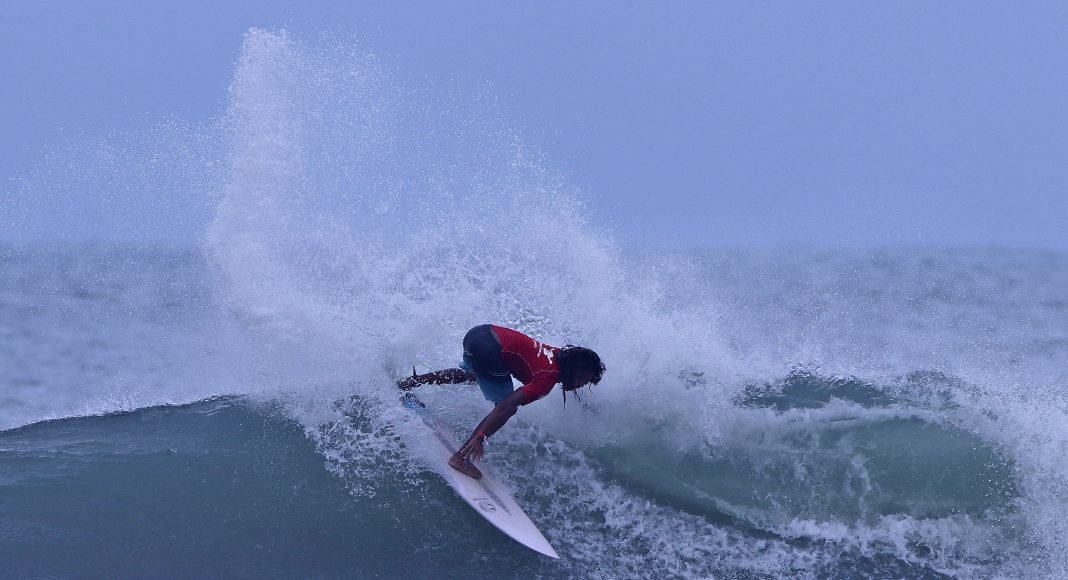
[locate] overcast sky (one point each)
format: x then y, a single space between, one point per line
685 123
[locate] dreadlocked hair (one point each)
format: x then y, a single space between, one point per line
576 359
573 360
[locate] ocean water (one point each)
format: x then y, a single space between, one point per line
228 409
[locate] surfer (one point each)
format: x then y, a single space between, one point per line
492 356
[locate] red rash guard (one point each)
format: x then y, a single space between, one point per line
530 361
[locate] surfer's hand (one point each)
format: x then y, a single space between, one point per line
473 449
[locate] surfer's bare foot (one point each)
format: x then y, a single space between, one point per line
465 467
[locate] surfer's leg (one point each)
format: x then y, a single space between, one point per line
494 389
442 377
482 356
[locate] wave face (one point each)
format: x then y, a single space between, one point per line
231 411
219 488
234 486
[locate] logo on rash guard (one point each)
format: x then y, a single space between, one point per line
545 351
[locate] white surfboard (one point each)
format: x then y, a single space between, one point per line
487 496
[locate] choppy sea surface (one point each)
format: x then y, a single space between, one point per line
895 413
229 410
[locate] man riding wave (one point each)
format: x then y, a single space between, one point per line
492 356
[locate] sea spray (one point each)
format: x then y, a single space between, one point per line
365 227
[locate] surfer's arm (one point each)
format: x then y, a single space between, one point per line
491 424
